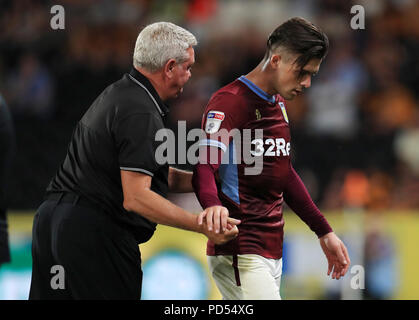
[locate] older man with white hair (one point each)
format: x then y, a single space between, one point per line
109 193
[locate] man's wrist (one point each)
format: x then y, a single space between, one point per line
200 228
325 234
323 228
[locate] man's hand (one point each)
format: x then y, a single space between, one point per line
216 217
217 225
336 254
221 237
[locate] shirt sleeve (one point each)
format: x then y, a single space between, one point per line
221 117
299 200
203 181
135 141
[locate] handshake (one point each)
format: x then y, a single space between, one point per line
217 225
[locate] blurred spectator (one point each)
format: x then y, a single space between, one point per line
380 266
23 22
30 89
388 105
406 144
355 190
407 171
332 112
7 147
199 11
380 192
333 98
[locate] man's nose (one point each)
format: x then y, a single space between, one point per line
306 83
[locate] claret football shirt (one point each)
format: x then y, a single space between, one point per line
242 121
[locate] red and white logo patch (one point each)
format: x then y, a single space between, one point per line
213 122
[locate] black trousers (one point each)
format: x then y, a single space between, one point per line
96 257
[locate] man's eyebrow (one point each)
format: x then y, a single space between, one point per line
309 71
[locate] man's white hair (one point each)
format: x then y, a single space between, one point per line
159 42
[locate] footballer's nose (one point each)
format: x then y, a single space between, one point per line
306 83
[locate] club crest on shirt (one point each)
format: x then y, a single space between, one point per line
258 115
213 123
284 111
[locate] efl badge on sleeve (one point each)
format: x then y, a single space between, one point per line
214 119
284 111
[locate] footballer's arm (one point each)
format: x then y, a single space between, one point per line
205 188
299 200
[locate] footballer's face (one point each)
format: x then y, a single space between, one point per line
180 74
290 79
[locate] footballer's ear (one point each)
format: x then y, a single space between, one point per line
275 59
168 67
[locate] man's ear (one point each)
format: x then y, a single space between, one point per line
275 59
168 67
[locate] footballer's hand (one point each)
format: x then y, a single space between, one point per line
216 218
336 254
221 237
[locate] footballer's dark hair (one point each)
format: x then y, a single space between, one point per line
301 37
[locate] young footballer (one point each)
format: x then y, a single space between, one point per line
250 266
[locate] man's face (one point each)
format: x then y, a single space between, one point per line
181 74
290 79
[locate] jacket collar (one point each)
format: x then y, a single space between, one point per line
143 82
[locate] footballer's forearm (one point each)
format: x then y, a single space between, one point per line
203 179
205 187
299 200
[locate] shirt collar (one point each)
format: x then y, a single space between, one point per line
257 90
143 82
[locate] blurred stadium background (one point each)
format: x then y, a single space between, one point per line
355 132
